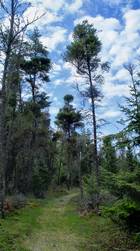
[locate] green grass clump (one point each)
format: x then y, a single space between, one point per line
18 226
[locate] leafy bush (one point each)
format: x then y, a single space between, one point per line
126 212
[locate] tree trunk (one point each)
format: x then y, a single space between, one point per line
2 173
94 128
3 156
59 173
80 178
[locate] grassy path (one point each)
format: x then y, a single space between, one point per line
58 228
55 225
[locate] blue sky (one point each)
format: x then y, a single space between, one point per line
119 24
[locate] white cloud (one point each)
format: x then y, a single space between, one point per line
56 69
54 5
52 18
121 55
132 19
111 114
75 6
53 110
54 38
69 67
57 82
112 89
100 22
122 75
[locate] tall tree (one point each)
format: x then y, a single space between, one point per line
83 53
68 119
35 67
13 12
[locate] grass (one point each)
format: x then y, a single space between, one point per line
18 226
56 225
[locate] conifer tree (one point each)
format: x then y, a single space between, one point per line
68 120
132 107
83 53
109 155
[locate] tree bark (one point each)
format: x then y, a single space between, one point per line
3 156
94 126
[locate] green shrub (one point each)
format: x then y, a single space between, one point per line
126 212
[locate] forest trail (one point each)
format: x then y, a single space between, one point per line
54 224
60 230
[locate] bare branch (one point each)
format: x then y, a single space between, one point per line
22 29
4 7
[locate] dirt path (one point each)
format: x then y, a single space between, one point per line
58 231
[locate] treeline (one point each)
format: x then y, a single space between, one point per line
25 138
33 155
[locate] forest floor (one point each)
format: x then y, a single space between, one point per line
54 224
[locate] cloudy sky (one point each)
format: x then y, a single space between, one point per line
118 23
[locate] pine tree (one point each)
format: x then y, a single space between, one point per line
68 120
83 53
37 65
132 107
